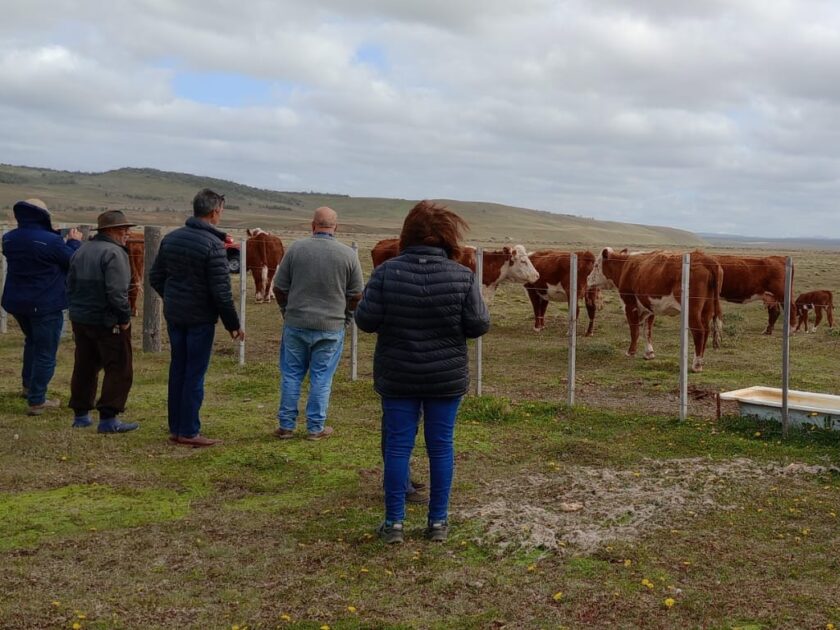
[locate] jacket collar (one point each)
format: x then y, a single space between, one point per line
101 236
425 250
195 222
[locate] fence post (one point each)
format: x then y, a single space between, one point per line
354 336
684 306
243 292
4 317
479 343
151 301
786 344
573 302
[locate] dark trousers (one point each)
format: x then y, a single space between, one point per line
191 347
41 335
100 348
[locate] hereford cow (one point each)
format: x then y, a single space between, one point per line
264 251
650 284
136 246
553 284
509 264
748 278
817 301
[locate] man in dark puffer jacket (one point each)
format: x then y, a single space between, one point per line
424 306
191 275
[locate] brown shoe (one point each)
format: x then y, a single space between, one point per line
198 441
325 433
283 434
417 497
173 437
37 410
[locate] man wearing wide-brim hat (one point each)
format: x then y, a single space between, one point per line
97 287
35 294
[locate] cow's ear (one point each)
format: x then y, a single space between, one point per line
248 232
626 250
507 250
605 253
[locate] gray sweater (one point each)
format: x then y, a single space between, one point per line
317 278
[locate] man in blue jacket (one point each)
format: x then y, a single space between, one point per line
191 275
35 294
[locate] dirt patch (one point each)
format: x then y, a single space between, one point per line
533 511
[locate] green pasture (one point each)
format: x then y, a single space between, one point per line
610 514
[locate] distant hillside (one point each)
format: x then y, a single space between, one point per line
728 240
157 197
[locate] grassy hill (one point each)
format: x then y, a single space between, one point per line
163 198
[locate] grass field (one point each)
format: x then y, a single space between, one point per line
611 514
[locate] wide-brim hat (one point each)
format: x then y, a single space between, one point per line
112 219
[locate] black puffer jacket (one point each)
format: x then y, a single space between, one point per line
191 275
424 308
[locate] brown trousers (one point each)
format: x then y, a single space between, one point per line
99 348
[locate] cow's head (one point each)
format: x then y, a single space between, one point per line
519 266
596 277
255 231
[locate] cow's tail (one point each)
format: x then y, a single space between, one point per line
717 316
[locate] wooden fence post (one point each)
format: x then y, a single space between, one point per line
151 301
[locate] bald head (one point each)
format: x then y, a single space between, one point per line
324 220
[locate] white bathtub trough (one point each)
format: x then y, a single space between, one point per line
822 410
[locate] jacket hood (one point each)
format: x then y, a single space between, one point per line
28 214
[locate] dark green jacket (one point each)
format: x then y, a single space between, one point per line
97 283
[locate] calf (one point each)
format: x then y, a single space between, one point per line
264 251
817 301
553 284
748 278
136 246
651 283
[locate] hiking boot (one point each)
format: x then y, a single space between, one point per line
417 485
37 410
115 425
437 531
82 421
417 497
284 434
198 441
390 534
321 435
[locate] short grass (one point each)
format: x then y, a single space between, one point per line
129 531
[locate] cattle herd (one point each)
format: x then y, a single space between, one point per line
648 284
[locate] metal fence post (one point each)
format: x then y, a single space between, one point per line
243 293
684 306
786 344
354 336
4 317
479 343
573 302
151 301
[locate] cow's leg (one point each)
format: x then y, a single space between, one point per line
699 319
829 311
257 272
538 304
773 312
818 315
590 313
800 314
648 324
632 314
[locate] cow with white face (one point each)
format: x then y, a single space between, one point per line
650 284
510 264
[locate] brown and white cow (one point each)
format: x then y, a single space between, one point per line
509 264
817 301
136 246
748 278
264 251
553 284
650 284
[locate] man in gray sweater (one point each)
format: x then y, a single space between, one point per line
317 286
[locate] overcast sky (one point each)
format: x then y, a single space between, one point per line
709 115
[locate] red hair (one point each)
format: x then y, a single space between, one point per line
432 224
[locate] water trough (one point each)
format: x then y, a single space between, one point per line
822 410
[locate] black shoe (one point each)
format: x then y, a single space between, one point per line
437 531
390 534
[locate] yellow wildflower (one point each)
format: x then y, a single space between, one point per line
669 601
351 609
557 596
647 582
628 562
285 617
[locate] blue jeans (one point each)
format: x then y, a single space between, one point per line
399 419
303 351
42 332
190 357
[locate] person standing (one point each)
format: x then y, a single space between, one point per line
191 275
97 287
35 294
423 306
317 286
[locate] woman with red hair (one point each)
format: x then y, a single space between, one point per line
423 306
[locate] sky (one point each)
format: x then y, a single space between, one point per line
715 116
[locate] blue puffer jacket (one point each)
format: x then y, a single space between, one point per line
191 275
424 308
38 260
